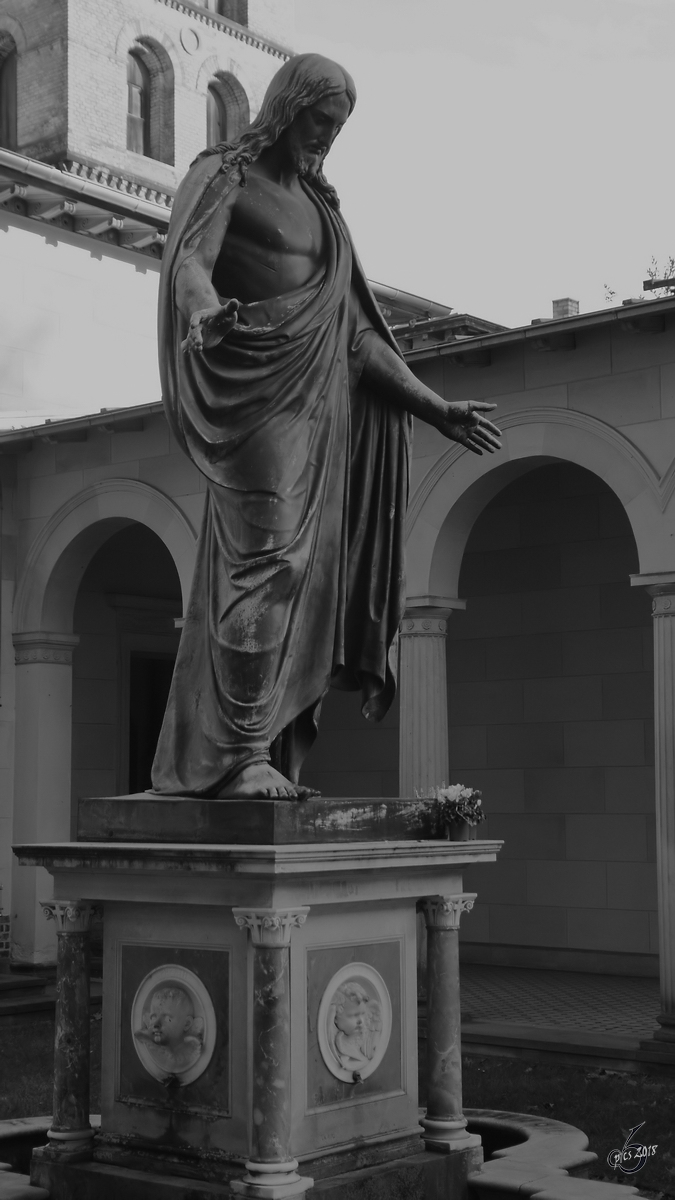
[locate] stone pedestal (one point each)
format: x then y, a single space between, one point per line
260 1014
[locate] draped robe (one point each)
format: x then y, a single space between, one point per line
299 579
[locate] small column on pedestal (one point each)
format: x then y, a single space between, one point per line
271 1171
70 1135
423 737
445 1123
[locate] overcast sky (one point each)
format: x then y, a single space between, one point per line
504 153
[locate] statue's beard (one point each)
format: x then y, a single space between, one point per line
307 164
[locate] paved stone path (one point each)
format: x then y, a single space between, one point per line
560 999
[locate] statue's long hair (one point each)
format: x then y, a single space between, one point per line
303 80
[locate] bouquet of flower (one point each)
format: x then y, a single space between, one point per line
455 803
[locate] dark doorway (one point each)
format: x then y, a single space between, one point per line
149 682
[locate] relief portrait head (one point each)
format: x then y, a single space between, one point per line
171 1031
356 1026
173 1024
354 1022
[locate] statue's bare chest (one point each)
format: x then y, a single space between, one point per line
273 245
274 219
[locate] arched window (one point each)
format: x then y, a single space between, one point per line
8 57
138 104
234 10
227 109
150 117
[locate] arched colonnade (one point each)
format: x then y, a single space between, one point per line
443 510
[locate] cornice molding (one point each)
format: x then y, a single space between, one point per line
223 25
117 181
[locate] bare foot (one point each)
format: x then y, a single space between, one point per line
262 782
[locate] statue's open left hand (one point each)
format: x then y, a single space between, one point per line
464 422
208 326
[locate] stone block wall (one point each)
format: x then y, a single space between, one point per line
550 699
352 756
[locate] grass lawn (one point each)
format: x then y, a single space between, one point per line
26 1067
605 1104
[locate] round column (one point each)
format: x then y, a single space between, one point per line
270 1166
423 737
663 612
70 1134
445 1124
42 800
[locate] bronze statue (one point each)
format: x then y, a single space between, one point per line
284 385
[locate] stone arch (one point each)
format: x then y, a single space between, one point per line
63 549
8 90
9 26
141 30
227 99
451 496
160 118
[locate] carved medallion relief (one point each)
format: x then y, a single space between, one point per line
354 1039
174 1024
174 1028
354 1023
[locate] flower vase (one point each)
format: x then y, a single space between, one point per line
460 831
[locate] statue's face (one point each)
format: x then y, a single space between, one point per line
353 1018
311 134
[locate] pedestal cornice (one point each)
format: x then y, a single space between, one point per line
264 861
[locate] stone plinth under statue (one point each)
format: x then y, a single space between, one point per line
260 1011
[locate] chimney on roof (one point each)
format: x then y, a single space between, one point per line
565 308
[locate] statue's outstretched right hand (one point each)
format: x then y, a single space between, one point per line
208 326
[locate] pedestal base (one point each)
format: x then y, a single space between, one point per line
421 1174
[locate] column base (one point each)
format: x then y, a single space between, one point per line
271 1181
666 1032
445 1137
71 1145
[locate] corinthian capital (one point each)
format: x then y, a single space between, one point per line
443 912
71 916
270 926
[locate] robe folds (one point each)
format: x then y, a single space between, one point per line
299 579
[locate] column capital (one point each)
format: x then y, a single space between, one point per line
429 625
444 912
657 583
663 603
270 926
40 646
71 916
